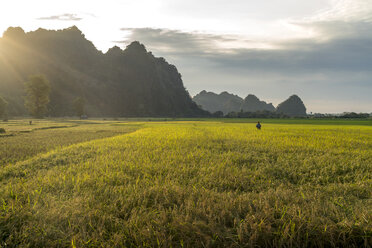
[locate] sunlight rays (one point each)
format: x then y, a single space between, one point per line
10 47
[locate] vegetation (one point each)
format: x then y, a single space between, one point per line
37 95
23 141
257 114
3 105
304 121
195 184
79 105
354 115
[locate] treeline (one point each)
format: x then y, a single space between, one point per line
354 115
256 114
269 114
37 98
345 115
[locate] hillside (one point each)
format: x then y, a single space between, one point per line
293 107
227 102
252 104
130 82
213 102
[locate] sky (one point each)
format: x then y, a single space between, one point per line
320 50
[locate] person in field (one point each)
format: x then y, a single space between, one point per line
258 125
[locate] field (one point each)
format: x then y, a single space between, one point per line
22 140
153 183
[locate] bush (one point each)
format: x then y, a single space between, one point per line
2 130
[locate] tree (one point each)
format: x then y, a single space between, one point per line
37 95
218 114
3 105
79 105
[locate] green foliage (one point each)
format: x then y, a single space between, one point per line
2 130
217 114
354 115
79 106
3 105
196 184
37 95
257 114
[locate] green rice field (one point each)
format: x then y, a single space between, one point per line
186 183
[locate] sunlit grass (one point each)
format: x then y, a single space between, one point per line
196 184
22 140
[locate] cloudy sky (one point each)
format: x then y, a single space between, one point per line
318 49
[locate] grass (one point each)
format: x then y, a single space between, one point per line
195 184
302 121
22 140
322 121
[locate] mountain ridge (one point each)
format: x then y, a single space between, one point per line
227 102
121 82
293 107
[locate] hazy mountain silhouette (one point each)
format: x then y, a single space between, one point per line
252 104
224 102
227 102
293 107
130 82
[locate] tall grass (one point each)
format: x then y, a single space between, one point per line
23 141
196 185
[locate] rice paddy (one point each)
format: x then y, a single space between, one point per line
186 184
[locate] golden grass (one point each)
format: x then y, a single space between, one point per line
196 184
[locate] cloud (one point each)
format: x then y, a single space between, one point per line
347 47
175 41
345 10
335 64
63 17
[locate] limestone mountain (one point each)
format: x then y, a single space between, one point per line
293 107
130 82
252 104
213 102
227 102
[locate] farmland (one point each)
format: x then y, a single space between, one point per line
207 183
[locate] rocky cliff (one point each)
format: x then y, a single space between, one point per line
129 82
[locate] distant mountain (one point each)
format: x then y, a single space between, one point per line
227 103
293 107
130 82
252 104
224 102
